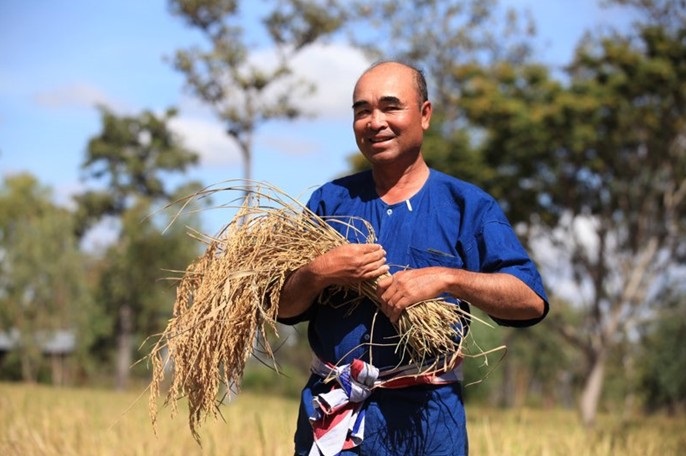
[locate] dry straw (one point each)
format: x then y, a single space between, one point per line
227 301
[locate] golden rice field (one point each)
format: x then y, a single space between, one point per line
40 420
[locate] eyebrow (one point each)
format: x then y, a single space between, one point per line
388 99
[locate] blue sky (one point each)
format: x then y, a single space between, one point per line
59 58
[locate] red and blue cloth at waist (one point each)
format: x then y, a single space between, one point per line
339 414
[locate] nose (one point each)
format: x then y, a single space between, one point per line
376 120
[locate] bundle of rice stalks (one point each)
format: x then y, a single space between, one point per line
227 300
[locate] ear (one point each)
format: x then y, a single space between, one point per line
426 110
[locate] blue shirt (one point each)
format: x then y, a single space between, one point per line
450 223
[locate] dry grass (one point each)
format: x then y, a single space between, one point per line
558 432
227 301
45 421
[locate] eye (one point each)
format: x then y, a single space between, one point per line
359 113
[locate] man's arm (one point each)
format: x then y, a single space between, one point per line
500 295
346 265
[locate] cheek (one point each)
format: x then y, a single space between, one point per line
358 131
358 127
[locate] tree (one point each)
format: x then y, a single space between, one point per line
134 156
630 179
244 92
42 285
598 169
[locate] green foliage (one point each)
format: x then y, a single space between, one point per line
131 159
454 154
482 372
447 32
261 379
663 360
201 13
518 112
532 366
43 285
299 23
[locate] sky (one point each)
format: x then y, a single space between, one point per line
59 59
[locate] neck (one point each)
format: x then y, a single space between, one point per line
394 186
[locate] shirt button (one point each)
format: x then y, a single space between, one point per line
366 337
389 211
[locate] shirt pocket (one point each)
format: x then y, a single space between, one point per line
423 258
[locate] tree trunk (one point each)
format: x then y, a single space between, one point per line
590 397
57 367
29 354
27 371
124 338
507 386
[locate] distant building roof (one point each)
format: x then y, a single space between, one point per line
61 341
9 339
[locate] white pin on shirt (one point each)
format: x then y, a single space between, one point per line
409 206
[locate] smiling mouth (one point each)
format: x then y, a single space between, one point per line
378 140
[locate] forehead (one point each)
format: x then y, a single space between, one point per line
383 81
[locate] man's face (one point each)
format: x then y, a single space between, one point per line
388 119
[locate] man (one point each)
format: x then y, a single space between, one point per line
437 236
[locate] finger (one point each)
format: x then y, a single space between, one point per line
385 295
375 273
382 288
368 248
387 310
378 252
392 312
395 315
379 267
374 256
385 281
382 285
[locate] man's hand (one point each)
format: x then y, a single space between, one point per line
405 288
346 265
500 295
350 264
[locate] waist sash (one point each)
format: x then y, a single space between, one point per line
338 421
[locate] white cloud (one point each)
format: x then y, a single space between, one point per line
207 137
288 142
334 69
77 95
199 129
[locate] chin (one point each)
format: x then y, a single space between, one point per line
380 154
